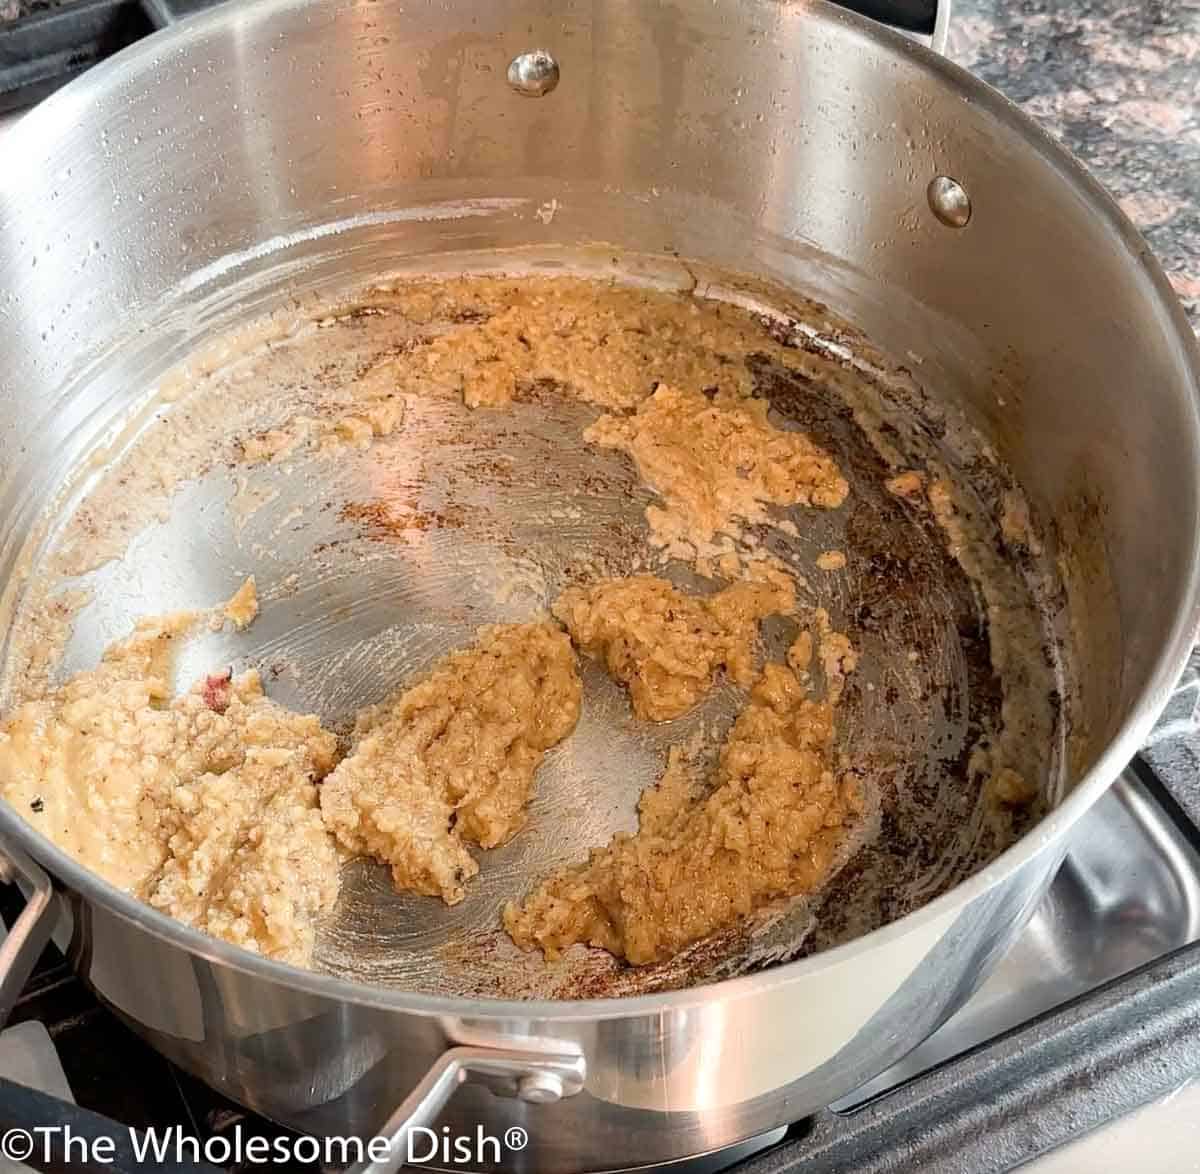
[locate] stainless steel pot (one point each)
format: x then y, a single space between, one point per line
193 178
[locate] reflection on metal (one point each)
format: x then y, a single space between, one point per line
941 27
1127 893
533 74
949 201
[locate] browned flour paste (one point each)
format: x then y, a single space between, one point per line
233 814
665 645
207 805
204 805
770 826
452 759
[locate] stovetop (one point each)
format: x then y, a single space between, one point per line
1093 1014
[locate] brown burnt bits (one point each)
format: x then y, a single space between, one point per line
905 595
400 520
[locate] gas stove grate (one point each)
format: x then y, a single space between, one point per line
44 45
44 49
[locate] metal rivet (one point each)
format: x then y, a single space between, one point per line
540 1088
949 201
533 74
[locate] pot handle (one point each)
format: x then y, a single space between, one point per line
535 1077
30 932
926 18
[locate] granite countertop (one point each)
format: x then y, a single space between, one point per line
1118 83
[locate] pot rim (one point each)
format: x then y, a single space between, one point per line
144 56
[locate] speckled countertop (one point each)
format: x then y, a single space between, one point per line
1118 82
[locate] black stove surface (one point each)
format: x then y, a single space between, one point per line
43 46
46 43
